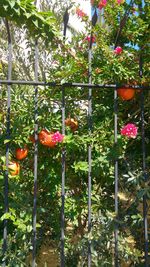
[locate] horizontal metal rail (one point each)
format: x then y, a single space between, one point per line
88 85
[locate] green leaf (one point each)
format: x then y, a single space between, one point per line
35 22
6 141
8 216
81 166
29 228
12 3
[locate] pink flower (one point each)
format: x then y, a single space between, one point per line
118 50
88 38
120 2
57 137
80 13
129 130
102 4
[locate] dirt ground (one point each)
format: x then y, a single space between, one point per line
47 257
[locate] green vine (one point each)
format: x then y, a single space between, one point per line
24 13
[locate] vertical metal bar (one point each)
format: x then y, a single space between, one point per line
144 167
89 151
122 24
145 205
5 230
65 20
116 178
35 156
63 184
93 21
123 21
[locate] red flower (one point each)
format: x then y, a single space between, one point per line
88 38
80 13
102 4
118 50
129 130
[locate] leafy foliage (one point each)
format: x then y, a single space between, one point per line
24 13
66 63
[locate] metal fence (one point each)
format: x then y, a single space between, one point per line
86 86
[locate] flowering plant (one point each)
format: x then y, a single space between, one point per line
118 50
57 137
129 130
88 38
80 13
102 4
120 2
